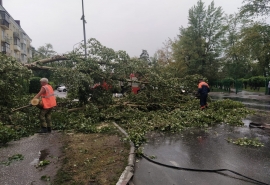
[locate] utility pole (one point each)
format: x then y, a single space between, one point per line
84 34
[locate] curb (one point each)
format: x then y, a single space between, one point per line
129 170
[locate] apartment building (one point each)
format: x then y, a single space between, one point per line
14 41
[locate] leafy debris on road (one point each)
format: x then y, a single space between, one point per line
246 142
16 157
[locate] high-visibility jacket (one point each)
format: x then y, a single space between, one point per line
48 98
134 85
203 88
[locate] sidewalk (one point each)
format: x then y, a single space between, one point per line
34 149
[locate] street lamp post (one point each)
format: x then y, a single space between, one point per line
84 34
76 44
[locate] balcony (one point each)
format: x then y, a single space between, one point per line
4 24
4 20
16 42
23 51
16 48
23 41
6 40
16 35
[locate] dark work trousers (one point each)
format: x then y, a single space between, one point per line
45 117
203 99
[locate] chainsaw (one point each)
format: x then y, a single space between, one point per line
34 102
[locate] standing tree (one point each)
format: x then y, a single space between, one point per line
236 61
199 45
256 41
145 56
43 52
255 8
13 82
46 51
164 55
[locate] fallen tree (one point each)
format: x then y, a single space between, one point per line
160 105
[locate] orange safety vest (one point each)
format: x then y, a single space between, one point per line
134 85
203 88
48 99
202 84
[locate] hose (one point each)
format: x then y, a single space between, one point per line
200 170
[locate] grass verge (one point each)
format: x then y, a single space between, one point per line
93 159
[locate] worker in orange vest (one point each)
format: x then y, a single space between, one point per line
48 103
203 90
135 88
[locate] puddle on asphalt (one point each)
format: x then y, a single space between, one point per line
41 156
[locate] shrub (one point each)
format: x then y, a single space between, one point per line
34 85
52 84
245 82
6 134
256 82
13 74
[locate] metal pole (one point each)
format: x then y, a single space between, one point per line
85 50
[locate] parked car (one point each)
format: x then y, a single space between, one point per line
62 89
59 85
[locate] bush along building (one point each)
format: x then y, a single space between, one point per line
14 41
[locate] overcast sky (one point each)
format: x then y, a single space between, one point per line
130 25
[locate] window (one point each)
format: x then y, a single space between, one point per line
5 47
16 41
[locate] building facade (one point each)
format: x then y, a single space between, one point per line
14 41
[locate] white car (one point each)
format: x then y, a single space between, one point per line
62 89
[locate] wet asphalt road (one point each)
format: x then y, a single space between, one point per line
209 150
205 150
254 100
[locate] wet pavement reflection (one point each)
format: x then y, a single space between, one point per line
205 149
249 99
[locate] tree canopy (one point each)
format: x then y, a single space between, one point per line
45 51
255 8
199 45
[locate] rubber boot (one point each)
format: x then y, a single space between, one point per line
49 130
43 130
